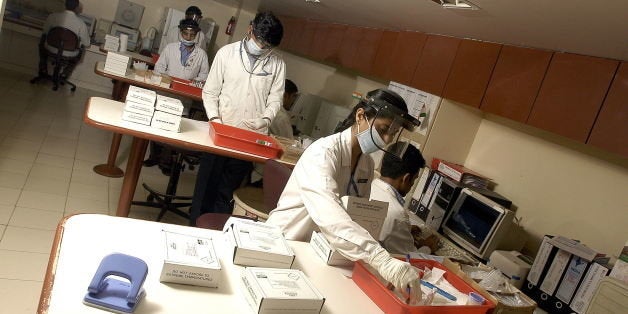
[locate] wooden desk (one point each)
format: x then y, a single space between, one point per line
107 114
120 88
83 240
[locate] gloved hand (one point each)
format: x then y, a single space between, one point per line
256 124
399 273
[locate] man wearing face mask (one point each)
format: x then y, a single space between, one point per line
244 88
192 13
183 59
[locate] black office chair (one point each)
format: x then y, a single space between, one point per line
169 200
64 47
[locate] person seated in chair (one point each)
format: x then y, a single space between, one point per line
67 19
184 60
397 177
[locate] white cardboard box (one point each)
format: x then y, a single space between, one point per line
329 255
136 117
166 121
271 290
190 260
169 105
258 244
134 107
370 214
141 95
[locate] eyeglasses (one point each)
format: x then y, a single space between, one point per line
263 44
189 33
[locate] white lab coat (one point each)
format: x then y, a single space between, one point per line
395 235
68 19
173 37
234 95
196 67
281 125
311 198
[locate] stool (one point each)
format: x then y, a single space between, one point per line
166 201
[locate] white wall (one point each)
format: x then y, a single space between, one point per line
2 4
558 186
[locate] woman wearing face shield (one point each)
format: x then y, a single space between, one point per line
191 13
340 165
244 89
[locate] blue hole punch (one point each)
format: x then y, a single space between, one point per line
116 295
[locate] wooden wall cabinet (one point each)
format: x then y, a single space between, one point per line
434 64
471 71
571 94
331 42
610 131
515 82
303 41
384 55
359 48
292 29
406 56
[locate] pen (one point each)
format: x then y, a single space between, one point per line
439 290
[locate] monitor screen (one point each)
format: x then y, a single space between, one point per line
473 220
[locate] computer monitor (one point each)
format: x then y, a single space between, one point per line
90 21
134 35
477 223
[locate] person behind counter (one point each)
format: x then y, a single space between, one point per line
281 125
339 165
191 13
66 19
183 60
397 178
244 89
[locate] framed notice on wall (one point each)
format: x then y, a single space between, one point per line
421 105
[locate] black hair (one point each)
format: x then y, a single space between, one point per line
267 28
394 167
193 10
71 4
290 87
189 23
367 103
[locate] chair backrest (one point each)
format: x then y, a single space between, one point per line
62 39
276 176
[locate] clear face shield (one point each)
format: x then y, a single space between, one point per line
388 127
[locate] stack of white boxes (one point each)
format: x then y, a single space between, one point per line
117 63
112 43
139 106
167 114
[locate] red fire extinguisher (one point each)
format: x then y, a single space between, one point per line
230 26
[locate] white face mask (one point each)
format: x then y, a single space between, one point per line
369 144
253 48
187 42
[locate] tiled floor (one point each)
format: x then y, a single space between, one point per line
46 158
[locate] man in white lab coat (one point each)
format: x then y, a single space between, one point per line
193 13
66 19
397 178
184 59
244 89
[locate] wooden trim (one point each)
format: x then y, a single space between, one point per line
49 278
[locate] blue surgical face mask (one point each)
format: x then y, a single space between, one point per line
253 48
369 144
188 42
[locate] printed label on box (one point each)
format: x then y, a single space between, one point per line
190 260
136 117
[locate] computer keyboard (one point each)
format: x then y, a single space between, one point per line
450 250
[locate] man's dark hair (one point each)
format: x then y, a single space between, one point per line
71 4
412 161
193 10
290 87
268 28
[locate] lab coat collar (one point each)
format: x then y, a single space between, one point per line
345 141
386 186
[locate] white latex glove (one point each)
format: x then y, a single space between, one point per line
399 273
256 124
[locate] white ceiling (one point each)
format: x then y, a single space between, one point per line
589 27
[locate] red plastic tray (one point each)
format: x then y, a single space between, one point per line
390 304
244 140
184 86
